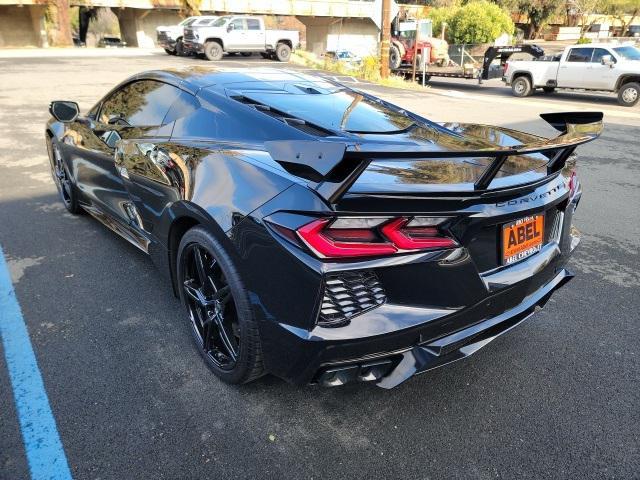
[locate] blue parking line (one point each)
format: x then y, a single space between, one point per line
42 444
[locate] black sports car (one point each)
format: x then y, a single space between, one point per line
316 232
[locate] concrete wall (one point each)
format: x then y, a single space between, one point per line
359 35
138 27
22 26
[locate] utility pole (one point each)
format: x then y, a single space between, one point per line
386 38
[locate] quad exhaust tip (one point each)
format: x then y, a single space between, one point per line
365 372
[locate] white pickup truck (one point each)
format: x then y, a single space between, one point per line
241 34
169 37
598 66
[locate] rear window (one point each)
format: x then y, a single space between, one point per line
340 110
580 55
253 24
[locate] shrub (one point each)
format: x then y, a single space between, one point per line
439 16
479 21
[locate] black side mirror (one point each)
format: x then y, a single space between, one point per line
230 27
64 111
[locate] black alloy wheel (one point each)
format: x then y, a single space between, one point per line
218 308
62 179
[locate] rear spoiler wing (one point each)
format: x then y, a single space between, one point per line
333 167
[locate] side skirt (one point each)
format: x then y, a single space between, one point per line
125 231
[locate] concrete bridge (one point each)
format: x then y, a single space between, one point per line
330 24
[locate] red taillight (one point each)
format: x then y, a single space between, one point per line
573 184
415 238
394 236
326 242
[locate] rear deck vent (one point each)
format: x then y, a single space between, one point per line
348 294
295 122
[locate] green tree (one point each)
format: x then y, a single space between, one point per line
539 12
479 21
624 11
439 16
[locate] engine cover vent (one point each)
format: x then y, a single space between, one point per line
348 294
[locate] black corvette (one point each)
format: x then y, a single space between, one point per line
318 233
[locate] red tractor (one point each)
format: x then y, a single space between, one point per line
403 44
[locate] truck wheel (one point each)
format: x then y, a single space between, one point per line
521 87
283 52
629 94
179 47
213 51
548 89
394 58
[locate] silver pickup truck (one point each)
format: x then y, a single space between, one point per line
169 37
608 67
241 34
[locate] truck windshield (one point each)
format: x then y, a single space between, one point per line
628 52
220 22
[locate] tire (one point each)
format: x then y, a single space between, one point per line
548 89
394 58
246 54
283 52
213 51
629 94
231 309
521 87
62 178
180 48
169 52
265 55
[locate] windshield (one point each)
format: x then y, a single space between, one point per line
628 53
187 21
220 22
340 110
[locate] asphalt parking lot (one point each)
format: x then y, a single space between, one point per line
558 397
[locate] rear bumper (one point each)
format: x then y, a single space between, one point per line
391 359
463 343
391 343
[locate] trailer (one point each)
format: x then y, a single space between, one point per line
463 61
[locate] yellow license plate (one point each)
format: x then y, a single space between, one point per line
522 238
